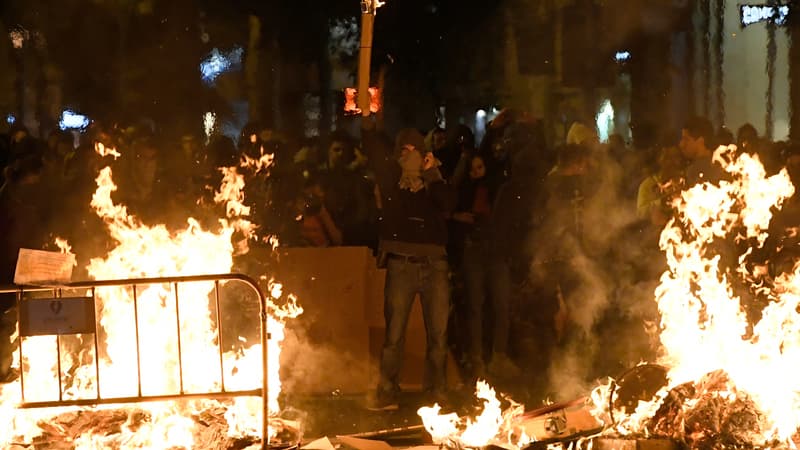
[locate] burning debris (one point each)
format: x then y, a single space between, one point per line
170 362
107 429
492 425
723 380
727 382
709 414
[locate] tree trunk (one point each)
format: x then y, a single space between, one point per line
251 69
123 22
794 76
650 85
325 91
277 121
719 58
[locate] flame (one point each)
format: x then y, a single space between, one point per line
102 150
166 319
491 426
704 328
261 163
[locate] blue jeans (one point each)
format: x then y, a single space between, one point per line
486 276
406 277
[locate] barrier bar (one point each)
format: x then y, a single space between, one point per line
216 278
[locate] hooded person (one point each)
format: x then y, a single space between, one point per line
411 162
412 236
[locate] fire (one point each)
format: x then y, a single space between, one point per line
259 164
730 379
167 319
102 150
491 426
714 353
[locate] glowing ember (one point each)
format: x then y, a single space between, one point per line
722 367
143 251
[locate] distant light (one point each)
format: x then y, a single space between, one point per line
622 56
351 100
18 37
605 121
209 119
217 63
70 120
481 119
751 14
783 14
11 119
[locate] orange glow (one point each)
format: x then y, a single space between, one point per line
351 100
375 100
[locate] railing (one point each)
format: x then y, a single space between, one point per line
140 397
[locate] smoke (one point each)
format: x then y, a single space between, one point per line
599 278
313 362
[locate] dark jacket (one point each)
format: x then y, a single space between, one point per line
414 221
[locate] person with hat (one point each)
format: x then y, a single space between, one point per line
415 200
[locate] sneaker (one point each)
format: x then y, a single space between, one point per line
382 401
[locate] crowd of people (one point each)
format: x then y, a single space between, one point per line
529 257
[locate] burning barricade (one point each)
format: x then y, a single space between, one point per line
150 370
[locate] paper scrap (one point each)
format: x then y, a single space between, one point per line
364 444
319 444
39 267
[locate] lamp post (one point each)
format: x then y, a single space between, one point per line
794 77
368 10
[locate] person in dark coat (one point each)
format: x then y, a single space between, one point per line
412 236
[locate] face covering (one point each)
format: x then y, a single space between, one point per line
411 165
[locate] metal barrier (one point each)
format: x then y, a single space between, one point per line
133 283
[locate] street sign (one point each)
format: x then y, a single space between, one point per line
751 14
51 316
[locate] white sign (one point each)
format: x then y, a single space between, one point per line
759 13
41 268
50 316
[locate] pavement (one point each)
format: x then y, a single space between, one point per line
335 415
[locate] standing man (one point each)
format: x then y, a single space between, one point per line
412 237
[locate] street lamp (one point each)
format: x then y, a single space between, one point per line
368 10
